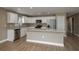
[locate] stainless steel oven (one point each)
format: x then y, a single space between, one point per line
17 34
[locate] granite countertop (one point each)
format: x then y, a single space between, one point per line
32 29
15 27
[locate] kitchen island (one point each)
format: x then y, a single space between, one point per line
46 36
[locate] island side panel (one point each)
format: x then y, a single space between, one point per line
50 37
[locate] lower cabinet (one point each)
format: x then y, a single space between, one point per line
23 32
50 37
10 35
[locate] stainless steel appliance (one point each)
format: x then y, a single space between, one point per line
17 34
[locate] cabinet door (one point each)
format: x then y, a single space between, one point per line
10 35
12 17
23 32
26 19
31 20
60 22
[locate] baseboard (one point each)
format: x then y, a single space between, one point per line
9 40
77 35
65 35
42 42
2 41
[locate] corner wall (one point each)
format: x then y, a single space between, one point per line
3 26
76 24
74 29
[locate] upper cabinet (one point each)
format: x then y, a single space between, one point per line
43 19
61 21
25 19
29 19
12 17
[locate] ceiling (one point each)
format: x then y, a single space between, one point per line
40 11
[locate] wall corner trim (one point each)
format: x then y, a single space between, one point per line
2 41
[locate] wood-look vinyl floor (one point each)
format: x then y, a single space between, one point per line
71 44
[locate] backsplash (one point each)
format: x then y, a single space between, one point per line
26 25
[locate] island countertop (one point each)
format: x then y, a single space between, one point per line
30 29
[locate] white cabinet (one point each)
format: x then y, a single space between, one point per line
10 35
12 17
54 38
61 22
25 19
23 32
44 19
30 20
